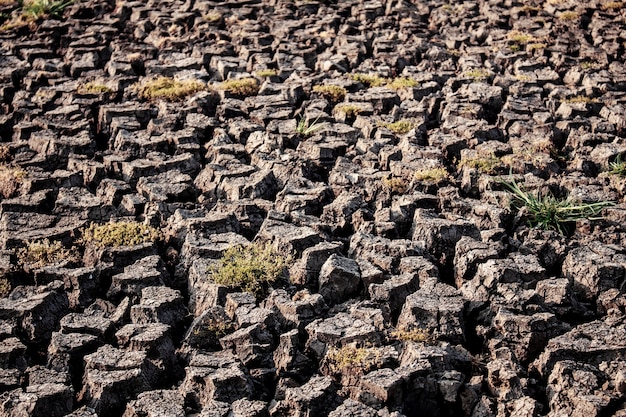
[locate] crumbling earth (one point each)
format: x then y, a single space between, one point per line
415 289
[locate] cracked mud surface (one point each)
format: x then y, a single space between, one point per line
370 141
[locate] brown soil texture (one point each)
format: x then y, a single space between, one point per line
375 146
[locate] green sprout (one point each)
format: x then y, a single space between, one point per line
35 9
305 128
549 212
618 167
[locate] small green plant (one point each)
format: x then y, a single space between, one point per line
397 185
266 73
485 164
30 11
414 335
369 80
478 74
618 167
43 252
305 128
94 88
11 179
433 175
350 110
36 9
352 357
251 268
549 212
169 89
125 233
333 93
5 287
242 87
399 127
402 82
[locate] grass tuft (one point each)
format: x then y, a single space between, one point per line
397 185
212 17
333 93
550 213
433 175
251 268
5 153
120 234
569 16
402 82
613 5
581 100
400 127
415 335
350 110
478 74
485 164
351 357
537 45
43 252
266 73
169 89
369 80
588 64
306 128
94 88
36 9
243 87
520 38
11 179
5 287
618 167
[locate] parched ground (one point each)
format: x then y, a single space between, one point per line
377 144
